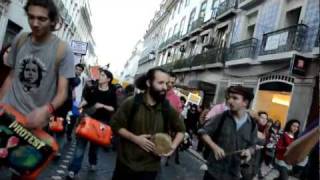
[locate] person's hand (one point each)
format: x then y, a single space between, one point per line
247 154
219 153
108 108
261 136
98 106
173 149
38 118
143 141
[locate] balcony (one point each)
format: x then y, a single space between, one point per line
144 60
226 8
183 63
241 52
172 40
168 67
247 4
213 57
283 43
210 59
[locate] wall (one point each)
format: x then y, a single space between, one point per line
312 19
15 13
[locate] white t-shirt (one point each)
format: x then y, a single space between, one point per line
79 89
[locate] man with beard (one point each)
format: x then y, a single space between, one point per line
136 154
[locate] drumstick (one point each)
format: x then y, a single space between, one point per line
239 151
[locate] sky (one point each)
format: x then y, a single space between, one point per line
117 26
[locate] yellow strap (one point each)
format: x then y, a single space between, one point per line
22 39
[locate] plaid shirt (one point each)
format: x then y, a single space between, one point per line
229 139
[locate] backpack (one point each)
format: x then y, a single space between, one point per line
62 110
137 101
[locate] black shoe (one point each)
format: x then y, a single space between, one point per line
177 161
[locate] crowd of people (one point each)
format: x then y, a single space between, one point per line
38 78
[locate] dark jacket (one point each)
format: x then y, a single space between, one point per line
229 139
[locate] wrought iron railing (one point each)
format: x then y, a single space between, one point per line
225 6
283 40
143 60
183 63
170 40
212 56
168 66
242 49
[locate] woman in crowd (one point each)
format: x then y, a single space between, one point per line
104 101
290 133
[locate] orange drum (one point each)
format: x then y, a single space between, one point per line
94 131
25 152
56 124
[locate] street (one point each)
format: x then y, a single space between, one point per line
188 169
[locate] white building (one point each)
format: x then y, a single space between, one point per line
269 46
12 20
75 24
131 66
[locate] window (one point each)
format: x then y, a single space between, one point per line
169 33
182 25
222 36
174 11
292 17
193 47
215 5
251 23
179 6
187 3
191 18
175 29
203 10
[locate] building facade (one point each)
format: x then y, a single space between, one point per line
72 27
131 67
270 46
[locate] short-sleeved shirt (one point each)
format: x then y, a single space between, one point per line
147 120
104 97
35 73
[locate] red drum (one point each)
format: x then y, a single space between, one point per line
94 131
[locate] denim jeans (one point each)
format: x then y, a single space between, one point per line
60 140
75 165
